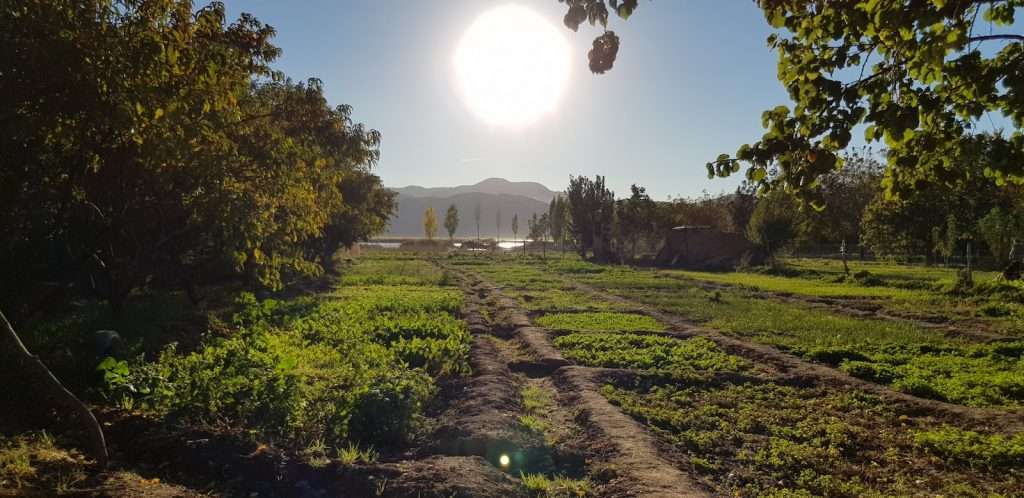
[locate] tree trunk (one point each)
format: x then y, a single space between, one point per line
46 384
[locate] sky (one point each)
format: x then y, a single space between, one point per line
691 80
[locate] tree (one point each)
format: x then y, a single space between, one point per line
105 152
1000 228
367 209
846 193
515 226
476 217
946 241
591 208
635 218
430 223
774 222
497 222
451 221
706 210
558 219
741 205
164 143
912 73
905 226
539 228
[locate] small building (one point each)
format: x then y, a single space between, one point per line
702 247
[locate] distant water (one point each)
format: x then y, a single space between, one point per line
382 245
505 244
510 245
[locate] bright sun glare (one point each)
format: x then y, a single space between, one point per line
512 66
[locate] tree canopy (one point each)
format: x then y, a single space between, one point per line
451 221
919 76
430 223
164 143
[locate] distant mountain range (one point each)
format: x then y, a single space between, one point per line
492 195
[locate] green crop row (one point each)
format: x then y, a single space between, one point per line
599 320
912 359
647 352
772 440
355 365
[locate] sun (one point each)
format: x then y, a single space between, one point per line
512 66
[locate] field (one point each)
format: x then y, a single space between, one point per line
347 377
847 401
502 375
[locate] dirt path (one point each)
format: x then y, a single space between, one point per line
625 458
795 369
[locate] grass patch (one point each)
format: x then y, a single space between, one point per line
538 405
34 461
600 320
543 486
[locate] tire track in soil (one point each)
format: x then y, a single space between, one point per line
625 457
795 369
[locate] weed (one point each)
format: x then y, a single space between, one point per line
316 454
534 424
542 486
353 454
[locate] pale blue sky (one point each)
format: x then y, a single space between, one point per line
691 81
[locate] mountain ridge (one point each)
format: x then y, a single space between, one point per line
493 185
492 195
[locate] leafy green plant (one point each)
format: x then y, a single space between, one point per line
647 352
765 439
600 320
356 365
973 448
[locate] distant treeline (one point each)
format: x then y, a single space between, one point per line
150 144
936 222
